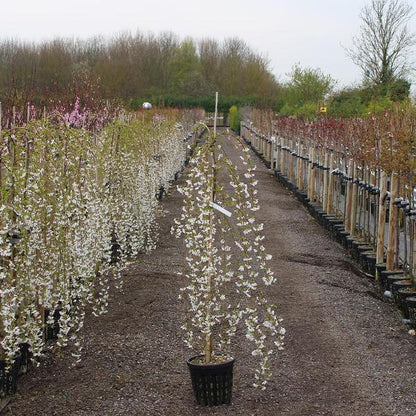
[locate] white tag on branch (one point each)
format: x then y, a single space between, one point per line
220 209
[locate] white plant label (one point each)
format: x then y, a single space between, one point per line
220 209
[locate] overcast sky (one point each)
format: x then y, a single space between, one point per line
309 32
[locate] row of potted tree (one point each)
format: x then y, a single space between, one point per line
75 204
358 177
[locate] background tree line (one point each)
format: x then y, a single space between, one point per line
171 72
162 69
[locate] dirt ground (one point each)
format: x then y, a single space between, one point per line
347 351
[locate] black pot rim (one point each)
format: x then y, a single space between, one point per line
210 365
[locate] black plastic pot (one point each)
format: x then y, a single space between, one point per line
411 307
403 295
368 261
396 286
25 361
349 241
371 258
380 267
334 224
391 279
212 383
8 377
51 330
390 275
342 238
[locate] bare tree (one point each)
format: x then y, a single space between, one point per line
383 47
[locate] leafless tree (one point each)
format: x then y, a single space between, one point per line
383 48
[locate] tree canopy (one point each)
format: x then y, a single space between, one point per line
134 67
306 91
384 44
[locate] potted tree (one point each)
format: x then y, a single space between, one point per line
227 272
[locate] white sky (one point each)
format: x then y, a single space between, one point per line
308 32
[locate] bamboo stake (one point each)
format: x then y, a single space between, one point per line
391 245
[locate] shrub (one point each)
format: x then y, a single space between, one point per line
235 118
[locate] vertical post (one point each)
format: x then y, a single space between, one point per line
391 244
277 160
1 162
330 198
208 336
299 167
326 181
291 162
354 202
216 114
282 156
348 197
412 248
311 175
309 165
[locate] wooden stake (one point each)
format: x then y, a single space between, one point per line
291 163
326 182
412 248
282 156
330 199
381 227
348 197
278 152
354 203
216 113
311 175
391 245
300 167
1 156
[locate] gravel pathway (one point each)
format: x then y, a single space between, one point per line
347 352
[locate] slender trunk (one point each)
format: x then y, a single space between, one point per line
212 142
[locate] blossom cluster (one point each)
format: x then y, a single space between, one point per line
74 207
228 269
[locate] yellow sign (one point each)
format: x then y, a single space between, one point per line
323 110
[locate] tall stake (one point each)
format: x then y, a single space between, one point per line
391 246
216 114
326 181
212 140
1 156
354 202
330 199
311 175
349 198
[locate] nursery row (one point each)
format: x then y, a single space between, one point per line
74 207
366 204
